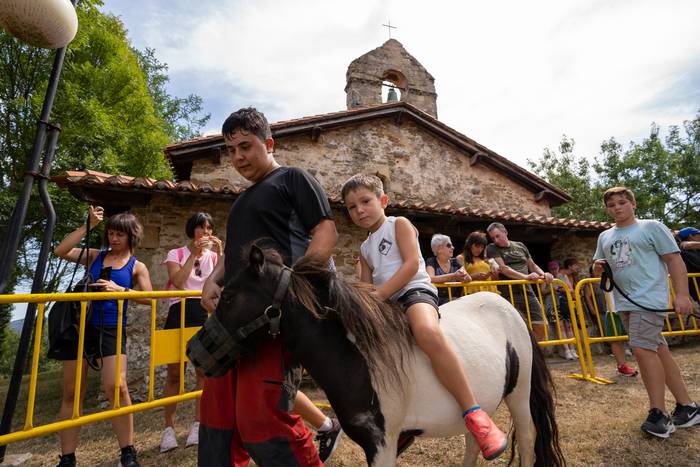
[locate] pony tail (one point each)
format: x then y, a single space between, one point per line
542 393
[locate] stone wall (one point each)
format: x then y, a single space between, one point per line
416 165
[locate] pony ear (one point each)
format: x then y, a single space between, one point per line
256 259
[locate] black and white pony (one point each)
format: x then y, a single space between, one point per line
359 350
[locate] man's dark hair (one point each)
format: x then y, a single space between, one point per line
198 220
568 262
247 120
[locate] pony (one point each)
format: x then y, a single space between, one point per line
359 350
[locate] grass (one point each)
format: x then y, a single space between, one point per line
599 426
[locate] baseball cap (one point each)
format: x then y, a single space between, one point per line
553 264
687 232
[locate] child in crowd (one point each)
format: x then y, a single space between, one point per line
596 299
640 254
555 298
391 260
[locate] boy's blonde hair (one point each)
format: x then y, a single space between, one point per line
368 182
618 190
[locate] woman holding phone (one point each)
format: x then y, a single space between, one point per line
188 267
113 269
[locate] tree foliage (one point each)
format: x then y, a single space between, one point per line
115 113
664 175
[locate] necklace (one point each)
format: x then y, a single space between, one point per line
446 270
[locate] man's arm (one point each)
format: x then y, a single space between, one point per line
323 239
507 271
679 278
690 245
211 291
536 272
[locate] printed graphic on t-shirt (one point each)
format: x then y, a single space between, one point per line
384 246
621 253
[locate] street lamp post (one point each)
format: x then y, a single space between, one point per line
48 24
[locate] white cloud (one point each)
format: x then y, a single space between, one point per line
515 76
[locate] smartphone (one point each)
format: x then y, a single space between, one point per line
106 273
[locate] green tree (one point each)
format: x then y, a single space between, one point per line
116 117
572 173
664 174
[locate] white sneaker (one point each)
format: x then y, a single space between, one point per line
168 441
574 354
193 437
628 352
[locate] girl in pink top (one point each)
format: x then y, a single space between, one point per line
188 268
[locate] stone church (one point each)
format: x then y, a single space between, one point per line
442 180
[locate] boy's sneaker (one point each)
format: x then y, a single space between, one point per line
685 416
626 370
489 437
658 424
128 458
168 441
67 460
193 437
328 440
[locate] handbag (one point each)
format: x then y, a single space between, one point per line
64 321
64 317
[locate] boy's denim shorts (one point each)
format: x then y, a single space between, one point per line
413 296
644 328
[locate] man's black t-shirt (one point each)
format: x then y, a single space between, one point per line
280 211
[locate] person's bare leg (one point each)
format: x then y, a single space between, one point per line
308 411
423 320
653 376
123 426
618 351
538 331
172 387
674 379
69 437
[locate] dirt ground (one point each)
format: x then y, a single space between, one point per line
599 426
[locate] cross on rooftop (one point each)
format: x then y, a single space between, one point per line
389 27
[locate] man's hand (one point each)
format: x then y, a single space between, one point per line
682 304
211 292
533 276
598 267
548 277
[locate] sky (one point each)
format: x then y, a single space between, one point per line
514 76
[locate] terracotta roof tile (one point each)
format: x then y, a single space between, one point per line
124 182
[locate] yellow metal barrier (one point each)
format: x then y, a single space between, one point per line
167 346
523 284
589 284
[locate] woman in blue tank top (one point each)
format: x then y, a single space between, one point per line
112 270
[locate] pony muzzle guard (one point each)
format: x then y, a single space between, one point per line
213 349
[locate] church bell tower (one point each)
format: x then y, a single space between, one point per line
390 66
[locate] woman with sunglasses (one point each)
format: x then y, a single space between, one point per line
444 268
188 268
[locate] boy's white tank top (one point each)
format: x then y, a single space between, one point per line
381 251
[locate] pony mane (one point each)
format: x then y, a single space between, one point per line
378 329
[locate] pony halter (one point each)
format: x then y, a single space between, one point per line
213 348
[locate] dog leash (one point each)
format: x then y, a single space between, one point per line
607 283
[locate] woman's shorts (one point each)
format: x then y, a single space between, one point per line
195 315
608 325
413 296
99 343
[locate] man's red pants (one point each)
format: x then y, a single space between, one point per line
247 411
